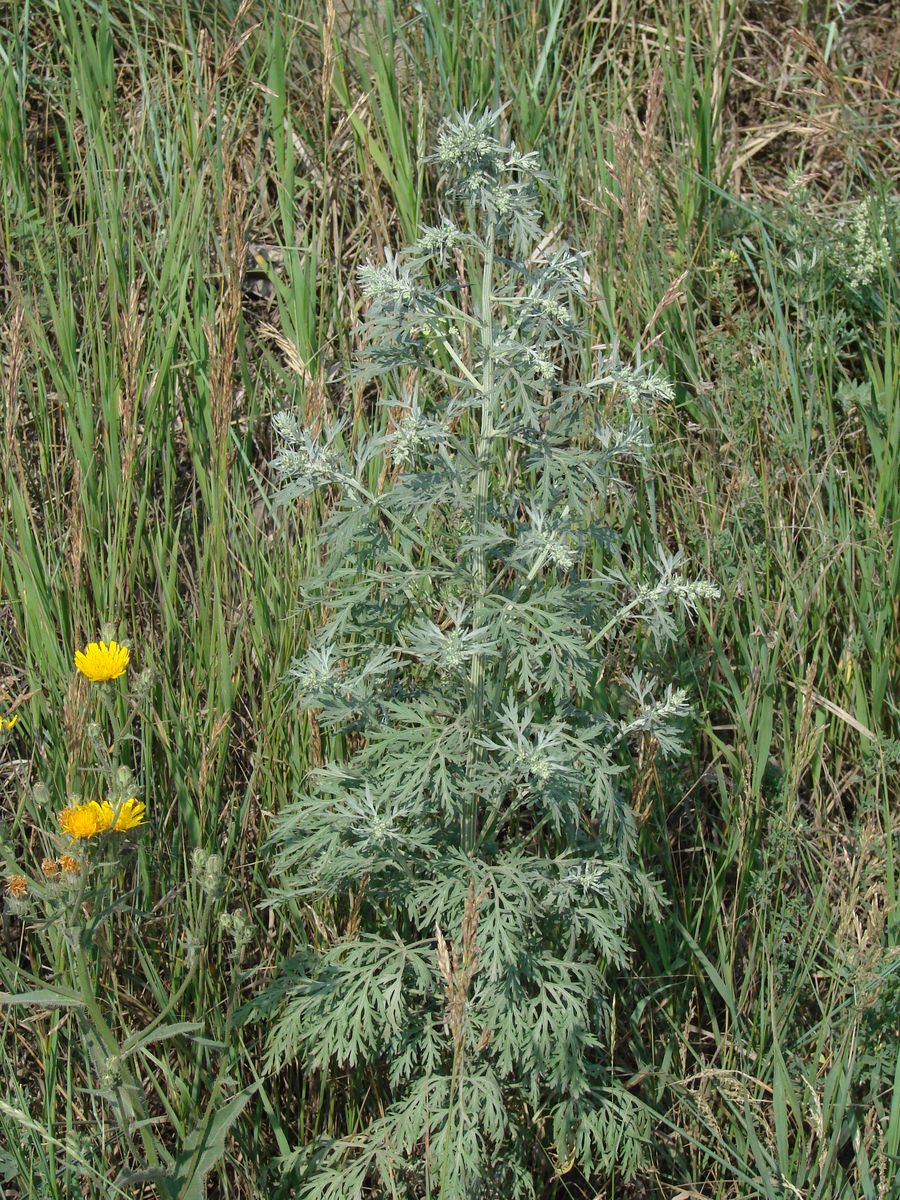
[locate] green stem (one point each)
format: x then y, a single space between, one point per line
131 1097
454 1073
482 485
611 624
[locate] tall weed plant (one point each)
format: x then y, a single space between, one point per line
480 682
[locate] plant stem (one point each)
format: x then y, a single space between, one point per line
454 1073
131 1097
482 483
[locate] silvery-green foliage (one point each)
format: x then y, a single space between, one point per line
473 850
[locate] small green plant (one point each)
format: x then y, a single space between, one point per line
468 852
74 906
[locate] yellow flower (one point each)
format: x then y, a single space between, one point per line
89 819
6 723
85 820
16 886
67 863
128 814
100 662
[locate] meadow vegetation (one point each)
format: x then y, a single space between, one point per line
189 189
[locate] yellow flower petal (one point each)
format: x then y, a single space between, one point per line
104 815
99 661
85 820
93 817
129 815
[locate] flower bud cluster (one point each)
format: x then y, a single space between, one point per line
238 929
454 651
207 872
390 286
671 585
547 539
547 313
864 248
302 459
317 673
559 549
467 147
489 174
412 433
639 384
536 763
438 242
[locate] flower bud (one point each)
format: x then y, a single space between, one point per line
16 885
125 782
143 682
94 733
238 927
111 1072
208 872
193 947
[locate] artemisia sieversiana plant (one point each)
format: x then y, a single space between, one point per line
476 673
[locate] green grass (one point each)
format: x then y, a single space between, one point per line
141 148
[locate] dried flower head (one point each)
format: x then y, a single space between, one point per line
16 886
50 868
68 864
100 661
